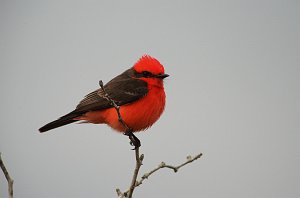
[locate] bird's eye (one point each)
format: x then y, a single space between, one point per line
146 74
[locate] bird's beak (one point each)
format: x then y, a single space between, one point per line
162 76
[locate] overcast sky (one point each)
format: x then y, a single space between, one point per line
232 94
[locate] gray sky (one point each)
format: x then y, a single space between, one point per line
233 95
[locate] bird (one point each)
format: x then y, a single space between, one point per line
138 91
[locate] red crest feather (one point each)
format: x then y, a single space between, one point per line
150 64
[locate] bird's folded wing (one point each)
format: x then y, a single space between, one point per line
121 90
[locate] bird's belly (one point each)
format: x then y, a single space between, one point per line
138 115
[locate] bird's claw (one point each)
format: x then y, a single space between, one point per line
134 141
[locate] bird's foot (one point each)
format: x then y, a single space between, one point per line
134 141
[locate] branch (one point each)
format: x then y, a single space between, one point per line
190 159
128 194
138 159
10 181
133 140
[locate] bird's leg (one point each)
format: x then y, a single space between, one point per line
134 141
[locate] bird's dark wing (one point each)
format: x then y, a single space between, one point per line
123 89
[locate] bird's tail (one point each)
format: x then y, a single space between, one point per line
64 120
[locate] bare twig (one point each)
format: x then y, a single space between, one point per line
128 194
190 159
119 193
139 159
10 181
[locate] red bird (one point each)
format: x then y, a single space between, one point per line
139 91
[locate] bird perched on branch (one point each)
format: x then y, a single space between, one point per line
139 91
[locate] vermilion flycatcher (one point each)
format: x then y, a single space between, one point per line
139 92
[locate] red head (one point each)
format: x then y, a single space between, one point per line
150 64
150 70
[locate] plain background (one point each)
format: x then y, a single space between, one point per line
232 94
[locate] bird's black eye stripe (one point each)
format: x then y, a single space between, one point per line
143 74
146 74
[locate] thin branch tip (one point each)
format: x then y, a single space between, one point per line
142 157
101 83
190 159
119 192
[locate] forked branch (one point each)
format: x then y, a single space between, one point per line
190 159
